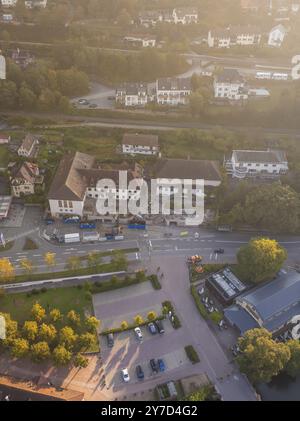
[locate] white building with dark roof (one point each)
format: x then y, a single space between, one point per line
132 94
277 35
243 35
29 146
230 85
173 91
140 144
250 163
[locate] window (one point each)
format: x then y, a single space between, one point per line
65 204
70 205
60 203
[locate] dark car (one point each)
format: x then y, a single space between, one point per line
219 251
110 340
159 326
152 328
139 372
153 365
93 106
161 364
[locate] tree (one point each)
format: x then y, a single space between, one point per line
26 265
30 330
275 207
86 340
151 316
124 325
47 332
7 270
80 361
92 323
197 104
260 259
49 259
40 351
93 259
61 355
74 262
19 348
73 317
138 319
293 365
55 315
27 98
261 357
38 312
67 337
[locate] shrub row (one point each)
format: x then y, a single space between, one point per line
192 354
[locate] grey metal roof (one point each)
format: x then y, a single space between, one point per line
275 297
269 156
239 317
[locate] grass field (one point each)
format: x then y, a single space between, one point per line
65 299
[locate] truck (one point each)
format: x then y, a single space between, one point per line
71 220
87 225
72 238
89 236
119 237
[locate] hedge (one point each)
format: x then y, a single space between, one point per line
192 354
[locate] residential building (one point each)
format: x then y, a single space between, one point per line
150 17
74 189
246 35
143 41
141 144
173 91
230 85
185 15
168 170
277 36
271 305
24 177
28 148
250 163
4 139
132 94
9 3
22 58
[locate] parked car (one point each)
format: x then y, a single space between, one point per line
138 333
203 300
83 101
159 326
196 235
93 106
219 251
139 372
110 340
210 309
168 234
211 302
49 221
125 375
161 364
201 291
152 328
153 365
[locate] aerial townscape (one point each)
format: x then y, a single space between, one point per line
149 202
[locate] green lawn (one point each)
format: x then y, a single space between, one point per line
65 299
4 156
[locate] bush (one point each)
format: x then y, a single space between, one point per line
176 322
200 306
192 354
44 289
154 281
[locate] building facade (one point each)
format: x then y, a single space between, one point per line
140 144
132 94
230 85
173 91
250 163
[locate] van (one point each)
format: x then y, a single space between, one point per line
110 340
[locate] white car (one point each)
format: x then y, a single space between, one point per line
125 375
138 333
196 235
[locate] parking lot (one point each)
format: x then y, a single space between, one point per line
128 351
